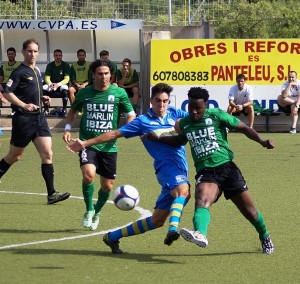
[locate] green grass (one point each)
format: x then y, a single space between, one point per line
51 247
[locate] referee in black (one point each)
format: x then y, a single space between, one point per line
24 91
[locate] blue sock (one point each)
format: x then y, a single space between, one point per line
136 228
176 212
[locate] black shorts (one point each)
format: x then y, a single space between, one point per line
25 128
228 177
105 163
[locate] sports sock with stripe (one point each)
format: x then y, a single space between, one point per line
176 212
136 228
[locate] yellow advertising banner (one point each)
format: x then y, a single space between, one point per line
219 61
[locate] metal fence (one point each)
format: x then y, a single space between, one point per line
152 12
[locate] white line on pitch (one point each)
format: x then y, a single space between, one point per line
144 213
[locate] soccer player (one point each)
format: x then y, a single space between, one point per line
169 163
57 77
79 74
205 130
101 106
24 91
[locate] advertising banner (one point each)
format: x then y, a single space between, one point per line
215 63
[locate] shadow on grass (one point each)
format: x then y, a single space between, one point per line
17 231
141 257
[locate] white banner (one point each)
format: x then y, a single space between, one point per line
70 24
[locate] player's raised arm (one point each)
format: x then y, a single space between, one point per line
103 138
253 135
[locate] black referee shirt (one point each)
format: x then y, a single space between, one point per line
26 84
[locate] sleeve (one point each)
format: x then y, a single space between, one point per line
132 129
78 102
231 94
228 120
13 81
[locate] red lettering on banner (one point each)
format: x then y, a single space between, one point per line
269 46
198 51
229 73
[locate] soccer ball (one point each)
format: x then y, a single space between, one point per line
126 197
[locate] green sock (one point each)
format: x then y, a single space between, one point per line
260 226
102 198
88 192
201 220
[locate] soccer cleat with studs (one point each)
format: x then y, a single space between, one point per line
57 197
114 245
95 221
194 237
88 218
267 245
171 237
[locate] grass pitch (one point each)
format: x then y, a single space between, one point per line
46 244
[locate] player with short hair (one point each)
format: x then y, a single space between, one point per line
24 91
79 74
169 163
6 70
57 77
101 105
205 130
241 99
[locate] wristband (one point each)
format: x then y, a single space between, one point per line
68 127
59 84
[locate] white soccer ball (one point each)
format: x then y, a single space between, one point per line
126 197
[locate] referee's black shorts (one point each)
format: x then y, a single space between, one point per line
25 128
228 177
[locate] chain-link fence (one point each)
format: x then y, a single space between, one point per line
158 12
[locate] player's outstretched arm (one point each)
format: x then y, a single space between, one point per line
253 135
102 138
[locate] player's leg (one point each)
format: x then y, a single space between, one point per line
14 155
20 138
88 171
181 195
65 97
250 111
72 92
106 168
141 226
207 192
43 144
245 204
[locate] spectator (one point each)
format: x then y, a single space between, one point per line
79 74
128 78
5 71
104 55
24 91
288 101
241 99
57 76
